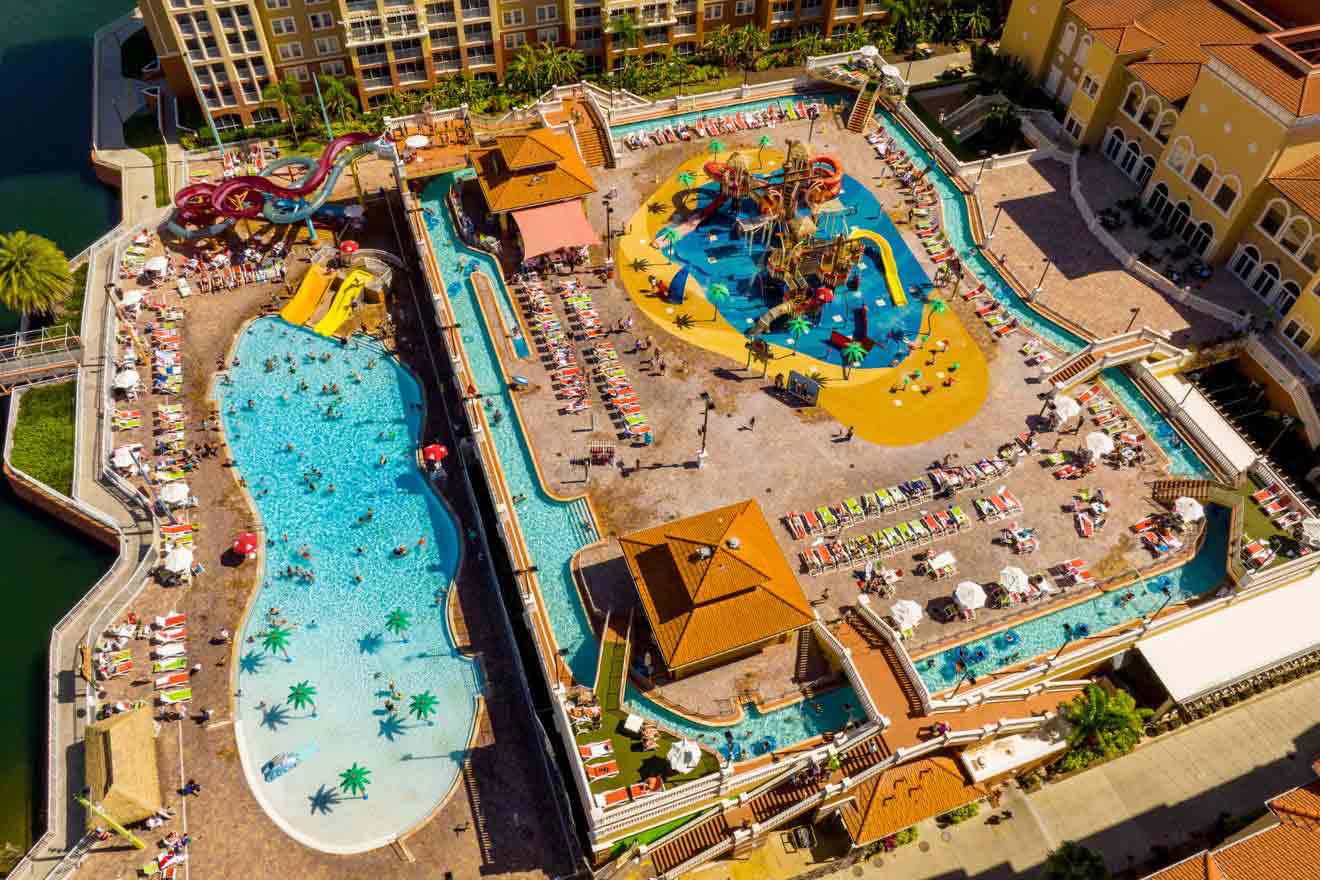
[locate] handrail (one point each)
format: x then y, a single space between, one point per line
896 645
844 656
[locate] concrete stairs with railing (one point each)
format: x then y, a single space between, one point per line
803 666
1167 491
702 836
863 110
1111 352
591 140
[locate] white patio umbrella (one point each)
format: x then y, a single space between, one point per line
179 560
1066 407
684 756
969 595
1099 443
132 298
943 560
157 264
174 493
1309 531
906 613
1189 509
1013 579
126 380
122 457
891 71
417 141
870 52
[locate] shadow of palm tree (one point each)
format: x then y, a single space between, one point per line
324 800
392 727
252 662
371 643
275 716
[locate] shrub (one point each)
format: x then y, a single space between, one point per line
44 435
961 814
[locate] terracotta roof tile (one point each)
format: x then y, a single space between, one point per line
536 168
1300 185
905 795
704 597
1297 92
1173 80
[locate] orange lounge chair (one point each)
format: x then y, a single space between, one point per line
596 772
597 749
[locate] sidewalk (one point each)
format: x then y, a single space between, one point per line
1170 788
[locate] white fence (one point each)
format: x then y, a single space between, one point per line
844 656
896 644
1270 359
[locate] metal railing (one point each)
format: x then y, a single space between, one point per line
896 645
844 656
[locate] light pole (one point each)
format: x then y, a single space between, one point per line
1136 310
1067 637
985 160
1041 283
990 236
706 406
1168 597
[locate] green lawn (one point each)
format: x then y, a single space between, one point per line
635 764
141 133
1257 524
651 835
613 654
136 53
728 81
43 436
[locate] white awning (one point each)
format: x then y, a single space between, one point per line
1207 418
1233 643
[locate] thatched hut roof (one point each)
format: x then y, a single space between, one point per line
121 766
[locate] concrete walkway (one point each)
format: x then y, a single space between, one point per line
1166 792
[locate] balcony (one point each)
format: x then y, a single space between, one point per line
447 40
441 17
842 11
654 20
592 20
685 30
812 12
781 15
412 76
659 39
392 4
685 6
446 65
376 82
476 12
377 57
361 6
485 60
593 43
407 54
873 8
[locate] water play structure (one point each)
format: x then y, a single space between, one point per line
203 209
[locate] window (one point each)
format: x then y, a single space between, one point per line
283 26
514 18
1084 50
265 116
321 20
1149 113
290 51
1245 263
1199 237
1146 169
1179 154
228 122
1164 128
715 12
547 35
1113 144
1201 176
327 45
1090 86
1073 126
333 68
477 33
411 71
1272 220
277 4
1159 200
1069 37
514 40
1266 281
1299 335
1311 256
1181 216
1225 198
1295 235
547 13
1288 297
1132 101
744 7
1131 154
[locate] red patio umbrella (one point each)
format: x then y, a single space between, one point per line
435 453
245 544
824 294
348 247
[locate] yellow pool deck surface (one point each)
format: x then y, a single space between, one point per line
882 405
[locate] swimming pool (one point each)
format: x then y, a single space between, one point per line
1047 633
957 226
832 99
339 641
717 253
553 529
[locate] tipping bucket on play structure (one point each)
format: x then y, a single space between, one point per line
677 286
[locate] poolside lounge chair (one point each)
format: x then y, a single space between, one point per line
1268 494
596 772
594 750
1085 525
1276 507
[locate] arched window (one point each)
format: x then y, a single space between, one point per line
1113 144
1299 333
1131 154
1295 235
1272 220
1068 38
1159 199
1266 281
1164 128
1132 100
1245 263
1288 297
1203 173
1150 111
1311 256
1146 169
1180 153
1227 193
1199 237
1181 216
1084 49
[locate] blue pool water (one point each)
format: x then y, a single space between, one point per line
339 641
716 253
957 225
555 530
1046 634
833 99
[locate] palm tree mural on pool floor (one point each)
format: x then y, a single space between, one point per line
303 695
422 706
399 622
354 780
276 640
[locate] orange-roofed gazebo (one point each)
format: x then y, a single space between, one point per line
519 173
715 587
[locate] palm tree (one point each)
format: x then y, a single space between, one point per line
722 45
302 695
524 69
977 22
561 64
34 273
937 307
669 236
809 44
909 20
277 639
798 326
641 264
625 31
1072 861
398 621
750 41
851 41
716 147
340 102
1109 724
761 144
288 94
355 780
717 293
853 354
423 705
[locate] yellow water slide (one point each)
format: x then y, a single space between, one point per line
896 291
349 290
308 297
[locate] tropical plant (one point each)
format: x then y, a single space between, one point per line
423 705
798 326
288 94
1000 121
882 36
1072 861
717 293
851 41
961 814
763 142
276 640
355 780
402 103
398 621
625 31
1104 725
853 354
716 147
976 22
337 94
523 71
909 19
722 45
34 273
809 44
561 64
302 695
749 42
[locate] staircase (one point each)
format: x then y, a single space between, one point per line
881 644
863 110
589 136
1064 376
803 667
1202 490
704 835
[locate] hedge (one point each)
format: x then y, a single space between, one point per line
44 435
